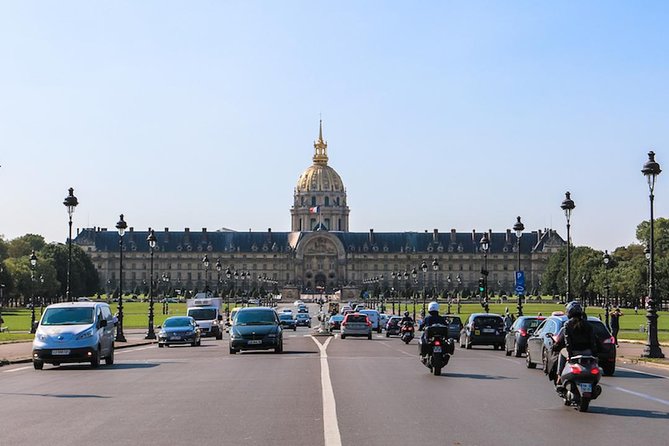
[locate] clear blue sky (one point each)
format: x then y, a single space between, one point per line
438 114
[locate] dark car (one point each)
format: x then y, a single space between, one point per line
335 321
179 330
256 328
303 320
540 343
516 338
454 326
393 326
288 321
483 329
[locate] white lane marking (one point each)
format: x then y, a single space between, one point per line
642 395
16 370
385 344
642 373
330 423
130 350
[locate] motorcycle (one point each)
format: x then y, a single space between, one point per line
580 381
436 348
407 332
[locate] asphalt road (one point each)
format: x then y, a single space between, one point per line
381 395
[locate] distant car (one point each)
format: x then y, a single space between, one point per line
356 324
384 319
483 329
256 328
374 317
358 307
454 326
297 303
303 309
287 310
303 320
288 321
335 321
540 343
393 326
179 330
516 338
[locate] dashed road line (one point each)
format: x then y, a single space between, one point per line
330 423
16 370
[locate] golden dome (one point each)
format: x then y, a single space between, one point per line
320 177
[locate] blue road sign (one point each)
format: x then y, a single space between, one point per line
520 282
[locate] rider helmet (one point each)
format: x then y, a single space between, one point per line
433 306
406 314
574 309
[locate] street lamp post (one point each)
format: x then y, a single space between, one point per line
607 260
228 276
70 203
519 227
485 244
652 349
567 206
414 276
121 226
423 267
448 293
205 263
394 277
408 285
435 268
219 267
33 265
151 240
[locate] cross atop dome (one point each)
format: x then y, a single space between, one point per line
320 148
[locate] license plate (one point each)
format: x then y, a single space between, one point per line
60 352
255 341
437 349
488 330
477 332
175 338
585 387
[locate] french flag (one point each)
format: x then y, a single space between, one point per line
314 210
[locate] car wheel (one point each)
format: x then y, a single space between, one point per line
38 364
387 334
279 348
528 361
160 345
369 336
232 351
199 342
95 359
219 336
295 328
343 336
507 351
609 369
109 360
468 344
56 364
516 351
544 361
193 344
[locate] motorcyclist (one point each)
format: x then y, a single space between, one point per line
433 316
576 337
406 318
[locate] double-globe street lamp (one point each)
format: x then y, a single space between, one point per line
435 269
567 206
414 277
485 244
151 240
519 227
607 261
70 203
121 226
423 267
219 267
33 265
651 169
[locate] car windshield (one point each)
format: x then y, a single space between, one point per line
356 318
202 314
68 316
286 317
487 321
255 317
177 322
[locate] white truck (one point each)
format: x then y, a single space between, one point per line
208 313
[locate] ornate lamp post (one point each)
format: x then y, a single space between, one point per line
33 265
435 268
394 277
519 227
151 240
485 244
219 267
567 206
652 349
423 267
607 261
121 226
414 276
406 281
450 297
205 263
228 276
166 280
70 203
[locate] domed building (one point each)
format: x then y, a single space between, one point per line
318 254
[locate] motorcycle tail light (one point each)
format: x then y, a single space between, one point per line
437 342
595 371
522 332
576 370
610 340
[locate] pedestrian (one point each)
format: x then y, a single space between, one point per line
636 309
615 323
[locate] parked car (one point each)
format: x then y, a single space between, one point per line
74 332
393 326
516 338
356 324
179 330
256 328
483 329
303 320
540 343
335 321
374 317
288 321
454 326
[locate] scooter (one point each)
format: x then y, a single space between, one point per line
436 348
407 332
580 381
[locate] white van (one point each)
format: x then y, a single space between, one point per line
74 332
374 317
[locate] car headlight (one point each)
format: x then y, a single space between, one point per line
235 334
86 334
41 336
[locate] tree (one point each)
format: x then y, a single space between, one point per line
24 245
84 279
661 232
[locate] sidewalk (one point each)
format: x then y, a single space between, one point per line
629 352
21 351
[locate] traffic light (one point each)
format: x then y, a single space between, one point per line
481 285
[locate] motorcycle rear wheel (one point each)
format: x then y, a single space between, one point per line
583 404
436 371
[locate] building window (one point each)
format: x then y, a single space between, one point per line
313 201
327 201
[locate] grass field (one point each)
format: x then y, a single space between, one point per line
17 320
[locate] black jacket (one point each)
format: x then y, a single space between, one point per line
433 319
576 335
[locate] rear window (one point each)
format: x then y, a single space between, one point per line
356 318
531 323
488 321
286 317
454 320
600 330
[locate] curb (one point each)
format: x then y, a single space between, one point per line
116 347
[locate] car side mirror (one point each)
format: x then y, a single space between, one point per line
159 326
548 335
220 318
35 325
102 323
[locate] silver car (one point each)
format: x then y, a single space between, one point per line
356 324
74 332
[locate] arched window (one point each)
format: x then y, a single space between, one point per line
313 201
339 225
327 201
